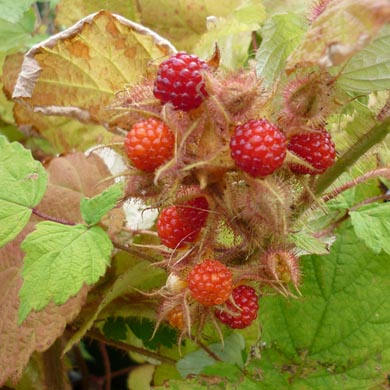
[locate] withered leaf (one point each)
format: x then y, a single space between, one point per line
77 72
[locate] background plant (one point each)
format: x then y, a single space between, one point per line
75 262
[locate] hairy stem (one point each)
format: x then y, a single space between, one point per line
373 137
107 365
209 351
43 215
255 46
385 172
346 215
134 251
83 367
122 371
373 199
95 335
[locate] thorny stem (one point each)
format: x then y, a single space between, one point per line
121 372
126 347
385 172
209 351
373 137
134 251
107 365
346 215
307 193
358 149
331 227
254 41
140 231
373 199
43 215
82 366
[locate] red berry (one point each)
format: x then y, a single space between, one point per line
149 144
210 282
194 211
180 81
178 225
317 148
258 147
245 298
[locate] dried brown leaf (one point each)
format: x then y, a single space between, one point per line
40 330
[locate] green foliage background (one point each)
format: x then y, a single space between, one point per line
334 335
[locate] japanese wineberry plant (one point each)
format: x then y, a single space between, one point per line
203 186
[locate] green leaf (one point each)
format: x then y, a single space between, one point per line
308 244
230 352
115 328
143 328
59 260
190 384
281 34
224 370
185 21
232 33
69 12
372 225
141 377
23 184
17 35
337 336
93 209
369 70
232 37
138 275
12 11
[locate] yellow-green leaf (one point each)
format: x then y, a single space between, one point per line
93 209
59 260
69 12
232 34
23 184
77 72
184 22
343 29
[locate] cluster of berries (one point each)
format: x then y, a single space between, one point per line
257 148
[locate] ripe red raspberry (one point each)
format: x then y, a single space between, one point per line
181 224
210 282
245 298
180 81
317 148
149 144
258 147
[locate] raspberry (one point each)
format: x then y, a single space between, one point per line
317 148
210 282
245 298
258 147
149 144
180 81
175 318
178 225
